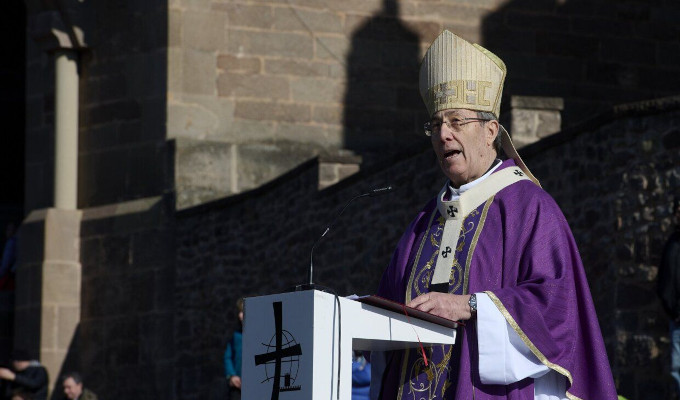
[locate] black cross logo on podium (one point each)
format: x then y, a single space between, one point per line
279 354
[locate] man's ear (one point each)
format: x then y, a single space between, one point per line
492 130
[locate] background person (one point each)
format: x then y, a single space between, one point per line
73 387
27 376
232 356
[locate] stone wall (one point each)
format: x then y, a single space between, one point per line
613 178
125 342
287 80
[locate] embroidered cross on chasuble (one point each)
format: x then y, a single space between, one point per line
442 263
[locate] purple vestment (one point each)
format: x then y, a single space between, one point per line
518 248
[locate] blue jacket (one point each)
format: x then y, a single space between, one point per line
232 355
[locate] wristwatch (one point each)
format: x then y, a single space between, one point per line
473 304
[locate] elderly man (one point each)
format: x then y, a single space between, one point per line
28 377
494 251
73 387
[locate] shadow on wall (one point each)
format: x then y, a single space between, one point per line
592 53
383 110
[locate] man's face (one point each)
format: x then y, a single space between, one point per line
466 151
20 365
72 389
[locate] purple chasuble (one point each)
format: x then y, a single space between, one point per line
516 247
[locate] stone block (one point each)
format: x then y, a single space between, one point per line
61 284
328 174
117 110
319 136
304 68
247 15
220 111
142 77
631 51
530 125
329 115
306 20
52 360
191 121
67 323
316 90
453 12
146 170
260 86
245 130
48 327
270 44
198 72
332 48
543 22
174 27
427 31
175 71
237 64
62 235
204 171
282 112
370 7
281 157
537 103
204 30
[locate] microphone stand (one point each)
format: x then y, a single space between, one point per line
310 284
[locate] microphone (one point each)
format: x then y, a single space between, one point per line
373 193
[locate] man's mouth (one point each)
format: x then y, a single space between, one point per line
452 153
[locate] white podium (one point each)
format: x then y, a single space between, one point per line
294 343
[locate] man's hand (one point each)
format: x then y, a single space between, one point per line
451 306
235 381
7 374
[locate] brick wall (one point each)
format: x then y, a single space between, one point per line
613 178
288 80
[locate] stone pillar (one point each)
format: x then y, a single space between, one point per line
48 286
66 130
534 118
47 307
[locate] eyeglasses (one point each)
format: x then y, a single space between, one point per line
456 125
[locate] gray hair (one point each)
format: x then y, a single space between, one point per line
492 117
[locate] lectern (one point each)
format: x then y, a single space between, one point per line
298 345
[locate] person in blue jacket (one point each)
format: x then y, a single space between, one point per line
361 377
232 357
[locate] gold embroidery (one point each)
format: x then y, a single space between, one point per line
415 262
473 245
424 277
434 373
529 344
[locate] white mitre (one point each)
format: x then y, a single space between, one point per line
458 74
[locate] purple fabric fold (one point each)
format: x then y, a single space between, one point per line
526 259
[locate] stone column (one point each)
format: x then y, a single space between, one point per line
534 118
48 287
47 309
66 129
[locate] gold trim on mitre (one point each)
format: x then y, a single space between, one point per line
458 74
